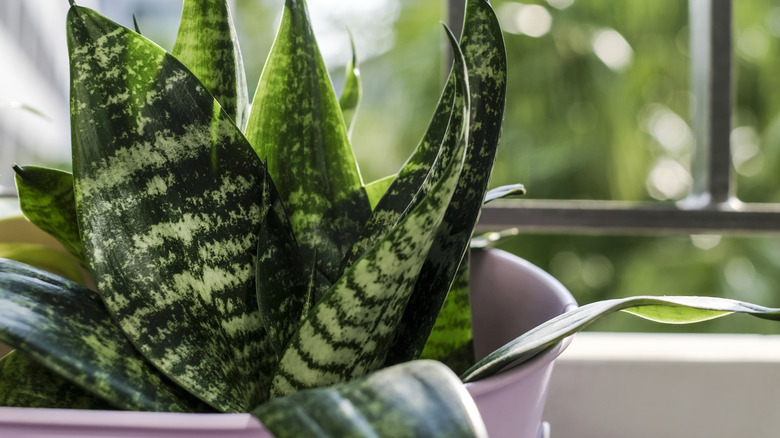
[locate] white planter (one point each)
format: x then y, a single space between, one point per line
510 296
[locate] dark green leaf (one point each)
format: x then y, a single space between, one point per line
672 310
418 399
282 280
347 333
168 197
418 175
46 199
297 126
66 327
353 90
25 383
504 192
451 338
483 48
207 44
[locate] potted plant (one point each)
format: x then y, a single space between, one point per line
241 264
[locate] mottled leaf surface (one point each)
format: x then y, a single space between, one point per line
418 399
25 383
422 170
353 90
207 44
282 278
671 310
66 327
168 197
46 199
347 333
451 338
296 125
483 48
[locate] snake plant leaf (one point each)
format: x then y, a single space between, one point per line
417 399
421 171
25 383
671 310
296 125
376 189
207 44
504 192
46 199
347 333
43 257
66 327
451 339
483 48
282 281
168 197
353 89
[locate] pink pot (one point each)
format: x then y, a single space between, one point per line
509 296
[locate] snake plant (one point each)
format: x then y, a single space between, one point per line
240 262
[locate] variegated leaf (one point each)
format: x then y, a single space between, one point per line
418 399
347 333
451 340
296 125
168 197
483 47
353 90
46 199
43 257
66 327
669 309
282 278
207 44
25 383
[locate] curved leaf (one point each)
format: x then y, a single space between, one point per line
207 44
66 327
353 90
46 199
43 257
296 125
673 310
168 197
24 383
504 192
418 399
483 48
347 333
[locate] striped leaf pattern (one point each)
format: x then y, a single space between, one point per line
168 197
418 399
296 125
207 44
46 199
25 383
483 48
282 279
451 339
66 327
347 333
